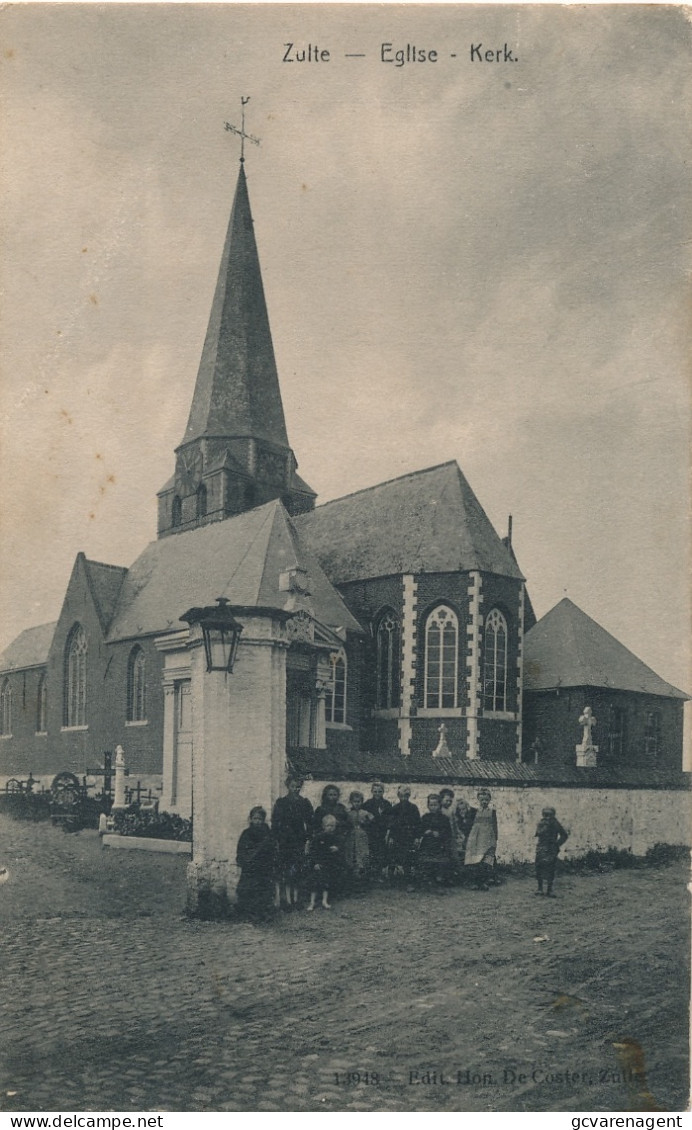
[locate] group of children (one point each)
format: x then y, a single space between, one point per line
333 848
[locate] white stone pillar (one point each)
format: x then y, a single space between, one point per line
239 752
473 663
119 794
408 660
520 667
322 684
176 672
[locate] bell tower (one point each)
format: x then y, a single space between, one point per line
235 453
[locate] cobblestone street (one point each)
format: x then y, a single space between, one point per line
112 1000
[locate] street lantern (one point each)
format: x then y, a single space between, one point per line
220 632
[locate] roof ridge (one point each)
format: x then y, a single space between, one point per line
35 627
105 564
387 482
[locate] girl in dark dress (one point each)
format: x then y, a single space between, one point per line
291 823
331 806
380 809
256 858
434 846
404 829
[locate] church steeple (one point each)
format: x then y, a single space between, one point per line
237 391
235 452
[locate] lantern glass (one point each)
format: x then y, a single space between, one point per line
220 645
220 632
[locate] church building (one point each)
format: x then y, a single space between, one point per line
411 647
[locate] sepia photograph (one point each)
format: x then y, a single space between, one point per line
345 651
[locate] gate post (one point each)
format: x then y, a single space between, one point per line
238 750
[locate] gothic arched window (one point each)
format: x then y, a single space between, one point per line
495 662
6 709
441 658
335 701
75 690
201 501
136 686
176 511
42 705
388 639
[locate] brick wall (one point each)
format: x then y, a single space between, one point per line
554 717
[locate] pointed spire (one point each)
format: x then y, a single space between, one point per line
237 390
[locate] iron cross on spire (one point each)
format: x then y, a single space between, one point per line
241 132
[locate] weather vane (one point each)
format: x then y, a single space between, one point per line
241 132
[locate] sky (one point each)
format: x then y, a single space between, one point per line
465 259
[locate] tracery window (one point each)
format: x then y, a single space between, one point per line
75 690
335 700
6 709
441 658
176 511
652 733
201 500
495 662
136 686
42 705
388 639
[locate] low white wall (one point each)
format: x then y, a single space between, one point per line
144 843
596 819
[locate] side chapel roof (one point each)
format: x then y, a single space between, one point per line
240 558
29 649
566 648
426 522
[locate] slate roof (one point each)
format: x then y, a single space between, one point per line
240 558
237 389
326 765
105 582
29 649
426 522
566 648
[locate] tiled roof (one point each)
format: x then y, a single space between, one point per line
426 522
105 582
566 648
324 765
29 649
240 558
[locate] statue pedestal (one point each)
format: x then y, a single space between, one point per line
587 756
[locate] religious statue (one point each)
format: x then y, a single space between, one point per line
587 752
442 749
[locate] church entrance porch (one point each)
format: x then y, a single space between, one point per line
308 675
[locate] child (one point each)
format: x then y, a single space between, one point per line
550 836
404 830
482 841
256 858
434 846
357 844
380 810
325 861
291 823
